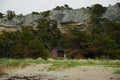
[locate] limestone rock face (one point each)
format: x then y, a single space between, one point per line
31 20
112 12
19 20
56 15
76 15
71 18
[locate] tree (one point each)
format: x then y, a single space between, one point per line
45 13
57 8
6 42
98 9
112 28
118 4
10 14
37 49
28 45
49 33
77 37
65 7
29 49
1 15
76 42
103 45
35 13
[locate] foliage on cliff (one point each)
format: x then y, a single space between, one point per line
98 9
103 40
65 7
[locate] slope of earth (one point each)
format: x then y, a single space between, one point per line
41 72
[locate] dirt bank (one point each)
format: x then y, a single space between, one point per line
40 72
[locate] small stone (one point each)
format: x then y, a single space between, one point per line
111 78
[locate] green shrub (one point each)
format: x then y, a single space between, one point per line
1 15
45 13
65 7
10 14
98 9
116 72
37 13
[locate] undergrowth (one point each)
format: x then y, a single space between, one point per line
55 64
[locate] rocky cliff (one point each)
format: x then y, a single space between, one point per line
112 12
20 20
78 16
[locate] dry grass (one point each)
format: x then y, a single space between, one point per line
2 70
23 64
7 29
7 65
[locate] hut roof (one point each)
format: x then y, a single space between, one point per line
59 49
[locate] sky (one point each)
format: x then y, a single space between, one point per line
28 6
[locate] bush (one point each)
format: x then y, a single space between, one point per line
1 15
45 13
98 9
10 14
37 13
116 72
65 7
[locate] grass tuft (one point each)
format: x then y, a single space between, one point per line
23 64
116 72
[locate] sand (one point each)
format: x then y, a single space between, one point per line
40 72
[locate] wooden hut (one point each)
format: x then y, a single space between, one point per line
57 53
